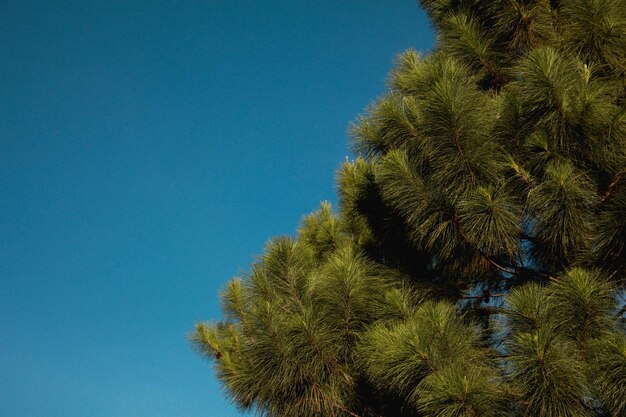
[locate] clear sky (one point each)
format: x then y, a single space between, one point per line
148 150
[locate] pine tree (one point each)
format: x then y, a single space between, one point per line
476 265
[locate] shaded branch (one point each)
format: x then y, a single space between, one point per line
614 181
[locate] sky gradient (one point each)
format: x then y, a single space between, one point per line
148 151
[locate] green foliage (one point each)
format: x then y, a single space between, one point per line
608 372
476 263
462 390
548 377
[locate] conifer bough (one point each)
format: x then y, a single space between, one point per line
476 263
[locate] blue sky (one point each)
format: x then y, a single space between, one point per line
148 150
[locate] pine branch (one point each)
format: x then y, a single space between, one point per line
480 297
457 142
481 253
614 182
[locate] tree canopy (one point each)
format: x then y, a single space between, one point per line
476 263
